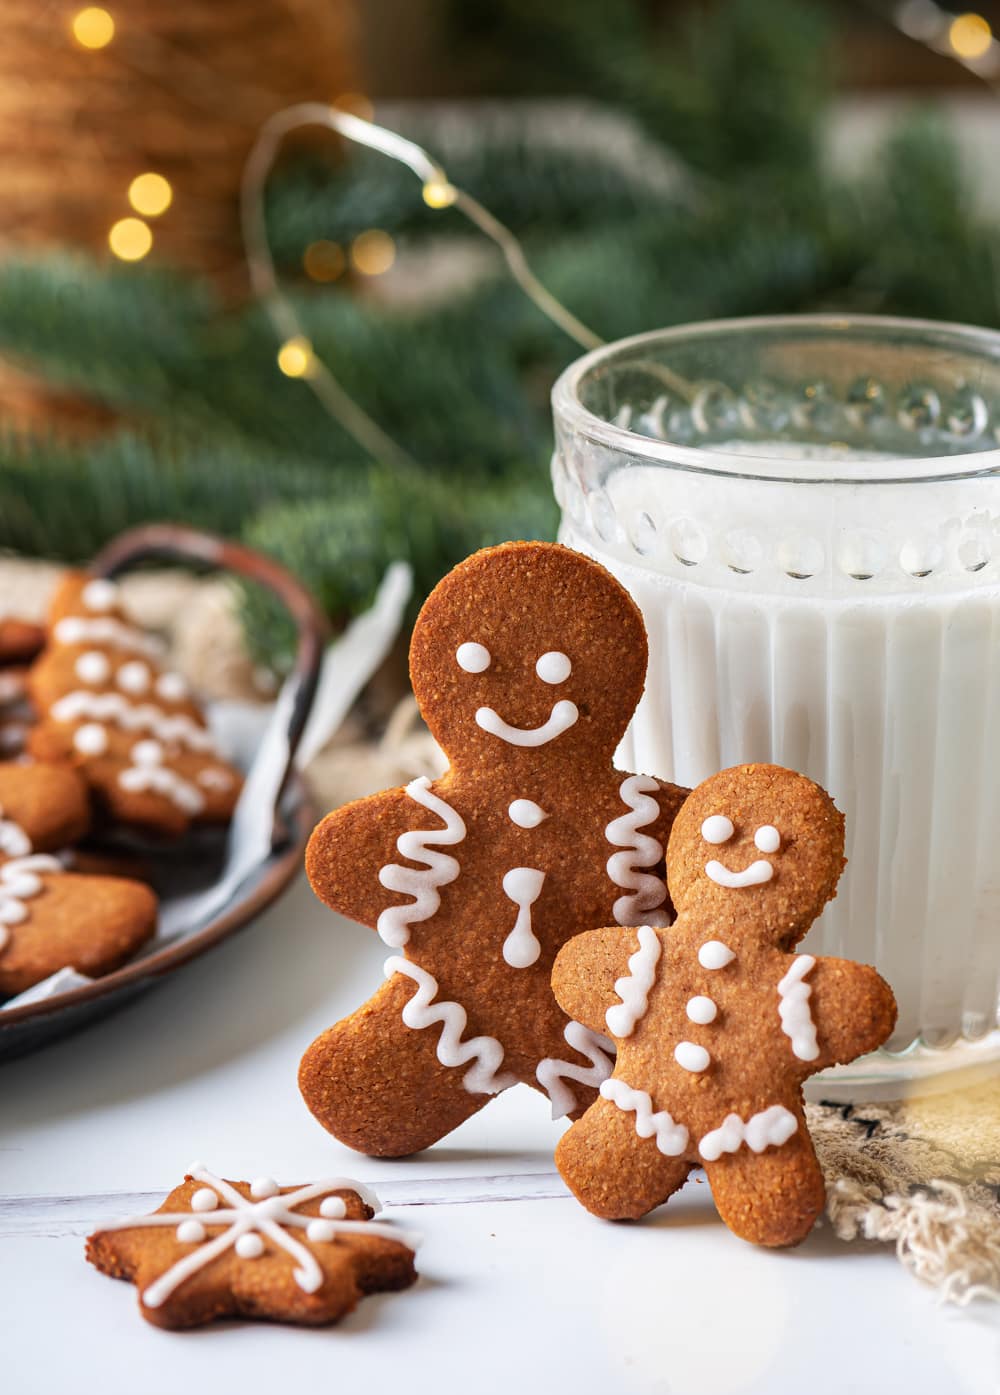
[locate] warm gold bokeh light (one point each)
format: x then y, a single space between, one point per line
324 260
970 36
150 194
438 193
295 357
93 27
373 252
130 239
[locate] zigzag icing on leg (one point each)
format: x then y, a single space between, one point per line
642 850
671 1138
770 1127
422 1011
551 1073
393 925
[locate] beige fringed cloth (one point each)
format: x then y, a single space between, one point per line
922 1174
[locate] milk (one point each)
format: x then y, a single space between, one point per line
848 628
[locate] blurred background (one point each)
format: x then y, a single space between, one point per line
661 162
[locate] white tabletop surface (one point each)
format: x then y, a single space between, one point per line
519 1287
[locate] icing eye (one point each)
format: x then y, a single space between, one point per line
473 658
767 838
553 667
717 829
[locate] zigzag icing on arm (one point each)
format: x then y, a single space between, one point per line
770 1127
271 1213
671 1138
642 850
552 1073
633 989
393 925
422 1011
793 1008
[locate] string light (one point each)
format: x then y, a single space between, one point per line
324 260
150 194
438 192
970 36
130 239
93 27
296 358
373 252
967 38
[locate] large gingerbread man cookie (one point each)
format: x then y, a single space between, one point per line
130 727
716 1021
527 661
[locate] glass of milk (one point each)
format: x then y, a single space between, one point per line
807 511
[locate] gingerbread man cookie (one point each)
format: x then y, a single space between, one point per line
132 729
527 661
51 918
716 1021
218 1249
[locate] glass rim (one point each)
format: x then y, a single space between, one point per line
568 408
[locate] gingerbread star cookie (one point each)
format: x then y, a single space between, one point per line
716 1020
527 662
132 729
218 1249
51 918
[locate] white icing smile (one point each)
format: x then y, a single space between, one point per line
564 714
755 875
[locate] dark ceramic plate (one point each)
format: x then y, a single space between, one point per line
25 1028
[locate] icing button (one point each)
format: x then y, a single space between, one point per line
715 955
702 1010
526 813
690 1056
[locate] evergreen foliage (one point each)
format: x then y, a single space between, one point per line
739 216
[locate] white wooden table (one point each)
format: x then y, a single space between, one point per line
520 1289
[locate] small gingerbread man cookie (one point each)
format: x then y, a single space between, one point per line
132 729
716 1021
51 918
218 1249
527 661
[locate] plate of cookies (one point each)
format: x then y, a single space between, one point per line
134 833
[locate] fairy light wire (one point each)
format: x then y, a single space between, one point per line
438 193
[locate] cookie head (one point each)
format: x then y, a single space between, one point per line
528 652
757 847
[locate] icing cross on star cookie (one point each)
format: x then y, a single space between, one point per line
527 661
716 1020
236 1249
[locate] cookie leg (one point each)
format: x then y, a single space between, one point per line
611 1170
377 1085
770 1198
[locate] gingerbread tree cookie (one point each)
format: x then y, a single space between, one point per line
527 661
108 708
218 1249
716 1021
51 918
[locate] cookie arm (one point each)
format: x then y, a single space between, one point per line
349 848
585 971
853 1008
